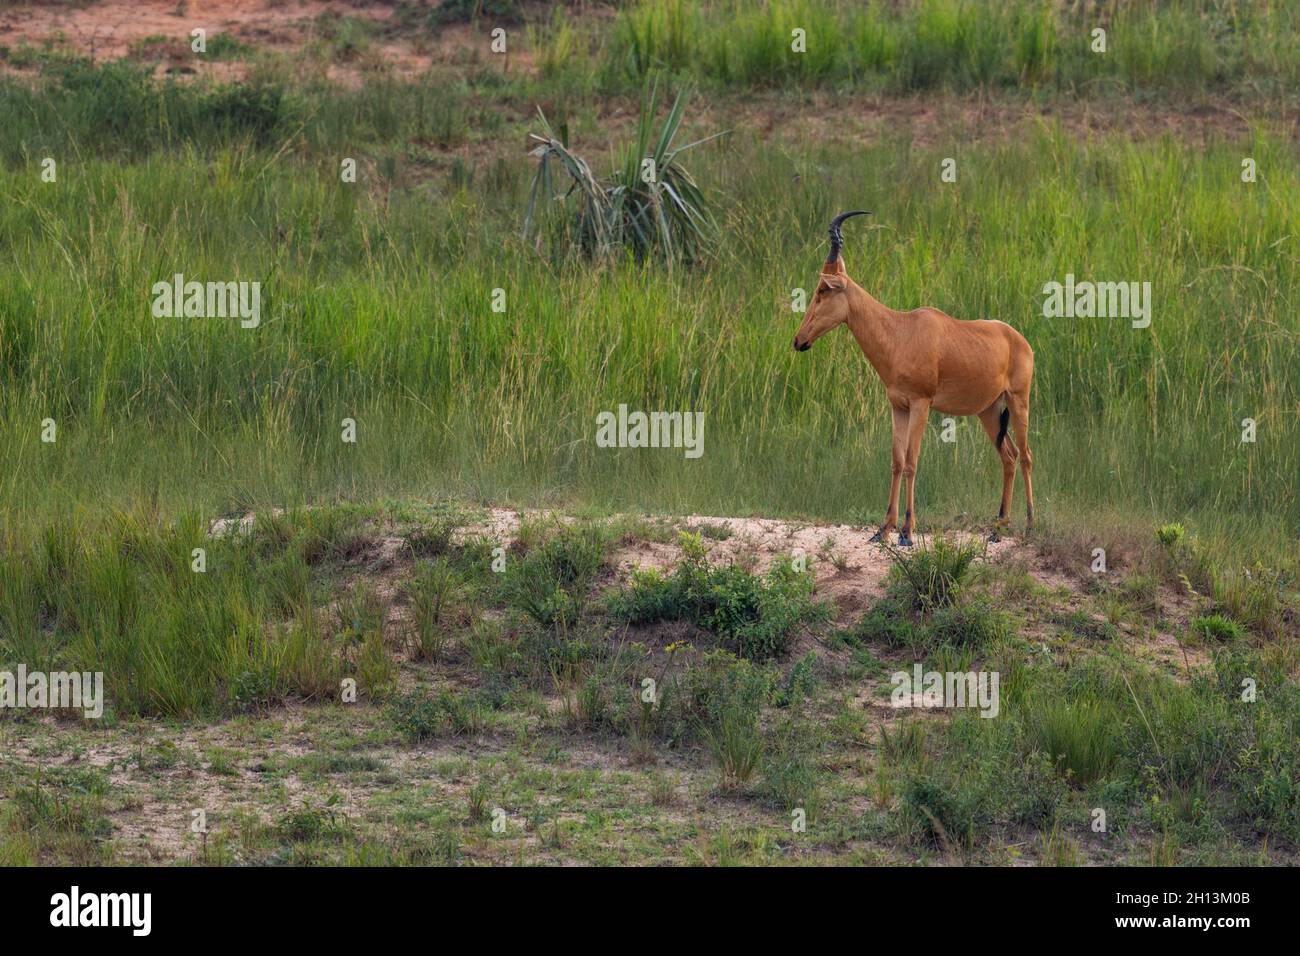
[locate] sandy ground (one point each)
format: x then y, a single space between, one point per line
107 29
117 29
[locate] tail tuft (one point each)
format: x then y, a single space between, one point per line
1002 426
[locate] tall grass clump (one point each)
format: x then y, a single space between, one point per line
436 593
1081 738
728 719
931 576
124 598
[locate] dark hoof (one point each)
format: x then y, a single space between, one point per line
878 536
1000 524
904 540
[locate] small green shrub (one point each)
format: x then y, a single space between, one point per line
418 716
650 597
549 583
889 621
717 695
756 616
1170 535
799 683
1217 628
972 624
310 823
931 577
226 46
432 540
969 624
943 815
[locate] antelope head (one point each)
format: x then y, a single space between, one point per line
829 306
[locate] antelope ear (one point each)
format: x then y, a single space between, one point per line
835 280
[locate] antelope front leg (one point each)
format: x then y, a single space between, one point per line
900 457
916 417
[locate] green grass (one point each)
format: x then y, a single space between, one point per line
1160 756
177 632
1186 767
378 308
436 595
954 44
549 583
1080 739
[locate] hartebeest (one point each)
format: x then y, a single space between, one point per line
930 360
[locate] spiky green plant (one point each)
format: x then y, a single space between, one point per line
650 204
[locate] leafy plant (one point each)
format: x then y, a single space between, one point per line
1170 535
649 205
798 683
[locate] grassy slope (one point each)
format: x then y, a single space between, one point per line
540 714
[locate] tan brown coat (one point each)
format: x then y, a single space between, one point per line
929 360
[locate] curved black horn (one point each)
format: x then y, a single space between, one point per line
837 240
